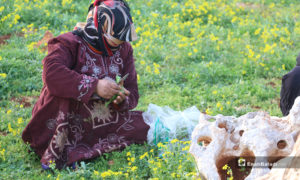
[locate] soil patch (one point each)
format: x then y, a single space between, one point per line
272 84
4 38
8 36
256 107
3 133
47 36
26 101
248 5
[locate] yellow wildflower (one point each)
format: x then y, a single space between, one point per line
174 141
96 173
144 155
208 111
153 14
138 12
156 65
160 144
173 175
185 148
174 5
31 46
267 48
234 19
2 152
257 31
3 75
251 53
133 168
106 173
225 167
138 29
66 2
156 71
1 8
213 37
20 120
148 69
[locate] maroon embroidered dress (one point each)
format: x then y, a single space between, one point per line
67 125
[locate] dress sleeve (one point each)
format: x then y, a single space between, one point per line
130 84
59 77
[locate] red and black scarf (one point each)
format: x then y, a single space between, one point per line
115 16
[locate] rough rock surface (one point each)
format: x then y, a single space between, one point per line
257 137
291 171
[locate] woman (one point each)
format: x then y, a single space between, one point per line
70 121
290 88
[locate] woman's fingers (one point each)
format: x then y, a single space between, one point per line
126 92
120 98
107 88
114 86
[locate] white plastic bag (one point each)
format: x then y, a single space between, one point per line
167 124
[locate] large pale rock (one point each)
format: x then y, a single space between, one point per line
292 169
259 138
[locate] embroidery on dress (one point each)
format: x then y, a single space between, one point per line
126 126
85 84
90 64
51 124
48 157
114 69
77 131
60 117
110 143
116 59
59 140
85 150
101 115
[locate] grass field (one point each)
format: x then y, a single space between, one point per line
222 56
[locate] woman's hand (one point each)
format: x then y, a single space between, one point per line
122 96
107 88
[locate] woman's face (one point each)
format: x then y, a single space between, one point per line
113 42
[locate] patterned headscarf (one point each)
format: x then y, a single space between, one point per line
110 19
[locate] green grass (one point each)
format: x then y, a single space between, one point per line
222 56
